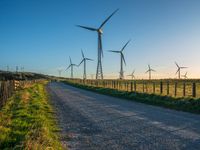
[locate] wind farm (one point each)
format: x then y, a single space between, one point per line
100 75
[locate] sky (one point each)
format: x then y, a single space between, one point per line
40 35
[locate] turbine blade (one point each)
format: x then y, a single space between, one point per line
88 28
81 62
89 59
68 67
149 67
70 60
123 58
114 51
177 70
108 19
75 65
133 72
183 67
153 70
147 71
125 45
82 54
177 65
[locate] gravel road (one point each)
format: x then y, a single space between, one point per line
91 121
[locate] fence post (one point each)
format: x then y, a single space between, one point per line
183 89
135 88
131 86
167 87
193 89
161 87
154 87
175 89
143 86
146 87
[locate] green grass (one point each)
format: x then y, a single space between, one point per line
146 86
182 104
28 121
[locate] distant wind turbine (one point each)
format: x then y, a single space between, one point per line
149 71
132 75
99 71
17 68
185 76
84 61
71 65
59 72
121 73
179 70
7 68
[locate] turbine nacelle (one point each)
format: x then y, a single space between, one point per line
100 31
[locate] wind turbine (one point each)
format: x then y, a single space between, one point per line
132 75
150 70
59 72
17 68
84 61
185 75
179 70
99 71
71 65
121 73
7 68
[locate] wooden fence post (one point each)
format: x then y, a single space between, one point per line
167 87
135 88
193 89
183 89
154 87
143 86
146 87
175 89
161 87
131 86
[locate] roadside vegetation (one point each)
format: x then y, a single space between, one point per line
183 104
27 121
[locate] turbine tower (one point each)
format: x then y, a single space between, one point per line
99 71
59 72
149 71
132 75
185 76
121 73
179 70
84 61
71 65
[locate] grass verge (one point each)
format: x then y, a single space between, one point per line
181 104
28 121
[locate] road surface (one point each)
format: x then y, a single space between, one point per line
93 121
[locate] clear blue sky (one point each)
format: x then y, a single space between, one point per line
41 35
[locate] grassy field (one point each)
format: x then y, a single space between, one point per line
147 86
27 121
182 104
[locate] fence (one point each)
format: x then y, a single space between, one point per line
169 87
7 88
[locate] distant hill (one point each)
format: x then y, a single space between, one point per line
4 75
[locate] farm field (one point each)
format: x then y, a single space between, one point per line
189 88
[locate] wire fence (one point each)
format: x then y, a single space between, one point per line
165 87
7 88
